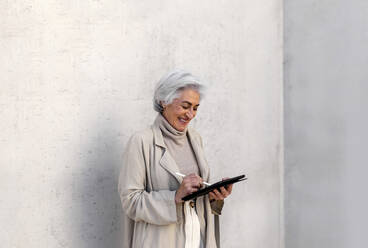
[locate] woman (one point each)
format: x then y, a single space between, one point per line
150 188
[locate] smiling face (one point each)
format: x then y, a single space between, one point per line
182 110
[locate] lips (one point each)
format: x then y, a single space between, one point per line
184 121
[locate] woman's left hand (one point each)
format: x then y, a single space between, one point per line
221 194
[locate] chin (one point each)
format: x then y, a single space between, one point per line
180 127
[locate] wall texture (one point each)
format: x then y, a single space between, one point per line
326 57
76 81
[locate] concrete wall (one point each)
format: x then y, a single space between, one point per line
326 57
76 81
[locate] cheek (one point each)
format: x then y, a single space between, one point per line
178 111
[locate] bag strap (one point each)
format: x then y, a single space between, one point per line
217 230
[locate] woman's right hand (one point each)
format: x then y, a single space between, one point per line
191 183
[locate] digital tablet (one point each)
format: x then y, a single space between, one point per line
217 186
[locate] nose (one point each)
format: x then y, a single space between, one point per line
190 113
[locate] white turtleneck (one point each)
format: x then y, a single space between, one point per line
179 147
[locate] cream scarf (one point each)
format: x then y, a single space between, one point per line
178 142
192 227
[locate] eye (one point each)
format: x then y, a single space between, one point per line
185 107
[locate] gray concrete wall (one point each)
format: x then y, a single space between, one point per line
326 57
76 81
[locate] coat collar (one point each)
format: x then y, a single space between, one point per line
168 162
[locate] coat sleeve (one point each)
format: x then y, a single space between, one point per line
155 207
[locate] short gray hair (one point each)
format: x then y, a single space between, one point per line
170 86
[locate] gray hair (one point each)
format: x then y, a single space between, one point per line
170 86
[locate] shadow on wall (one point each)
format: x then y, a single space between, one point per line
95 219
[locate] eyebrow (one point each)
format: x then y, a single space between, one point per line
189 103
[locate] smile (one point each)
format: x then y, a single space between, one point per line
184 120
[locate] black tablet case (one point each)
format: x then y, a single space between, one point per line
217 185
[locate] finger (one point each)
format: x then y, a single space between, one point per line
194 190
190 190
213 196
193 182
196 181
224 192
191 178
229 188
200 180
196 185
192 186
218 194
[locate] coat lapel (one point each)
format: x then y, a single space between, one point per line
166 160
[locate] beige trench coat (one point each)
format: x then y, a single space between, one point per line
147 186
